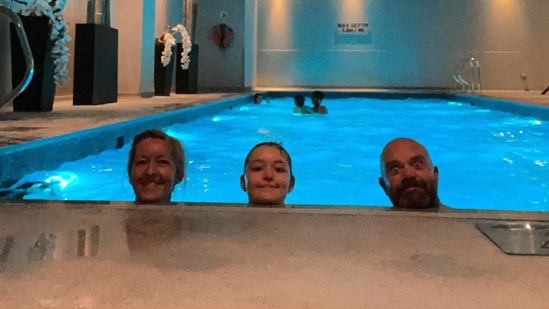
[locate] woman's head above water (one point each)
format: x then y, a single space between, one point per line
268 176
156 164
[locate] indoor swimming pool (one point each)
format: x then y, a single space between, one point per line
487 159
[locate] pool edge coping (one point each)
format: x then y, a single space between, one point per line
339 210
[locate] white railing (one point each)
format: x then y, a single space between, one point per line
474 83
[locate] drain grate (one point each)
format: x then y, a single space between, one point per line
518 238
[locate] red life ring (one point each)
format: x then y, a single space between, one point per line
222 35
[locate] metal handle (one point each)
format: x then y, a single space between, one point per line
474 64
26 53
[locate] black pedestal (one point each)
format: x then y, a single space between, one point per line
186 81
162 74
40 93
95 65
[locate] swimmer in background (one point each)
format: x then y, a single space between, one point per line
316 99
300 107
258 98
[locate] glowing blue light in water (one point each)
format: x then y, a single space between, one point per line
536 122
451 103
60 180
181 136
224 118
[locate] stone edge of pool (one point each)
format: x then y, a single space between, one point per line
447 213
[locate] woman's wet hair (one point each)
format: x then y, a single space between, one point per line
174 146
270 144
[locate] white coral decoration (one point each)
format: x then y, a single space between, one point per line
53 9
186 44
168 41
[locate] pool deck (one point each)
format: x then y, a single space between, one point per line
118 255
20 127
530 97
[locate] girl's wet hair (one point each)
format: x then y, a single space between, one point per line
270 144
174 146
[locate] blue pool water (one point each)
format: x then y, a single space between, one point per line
487 159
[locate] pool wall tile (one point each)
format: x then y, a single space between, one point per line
369 95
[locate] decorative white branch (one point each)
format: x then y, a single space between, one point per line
53 9
186 44
168 40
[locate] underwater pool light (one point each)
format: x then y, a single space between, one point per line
63 183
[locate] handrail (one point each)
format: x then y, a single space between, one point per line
26 53
474 64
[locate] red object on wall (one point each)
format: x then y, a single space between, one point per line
222 35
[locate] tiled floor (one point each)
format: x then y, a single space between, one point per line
116 255
17 127
531 97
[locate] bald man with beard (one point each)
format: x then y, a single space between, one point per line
408 176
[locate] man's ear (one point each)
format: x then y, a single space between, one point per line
292 183
243 182
383 185
435 173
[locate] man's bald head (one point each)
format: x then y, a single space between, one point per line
398 146
407 174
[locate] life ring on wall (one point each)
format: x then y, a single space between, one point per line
222 35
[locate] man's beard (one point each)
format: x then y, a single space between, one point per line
413 193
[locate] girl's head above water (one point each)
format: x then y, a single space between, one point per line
267 175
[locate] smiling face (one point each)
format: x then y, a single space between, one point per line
267 177
408 176
153 171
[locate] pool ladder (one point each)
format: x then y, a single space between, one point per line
474 84
4 99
